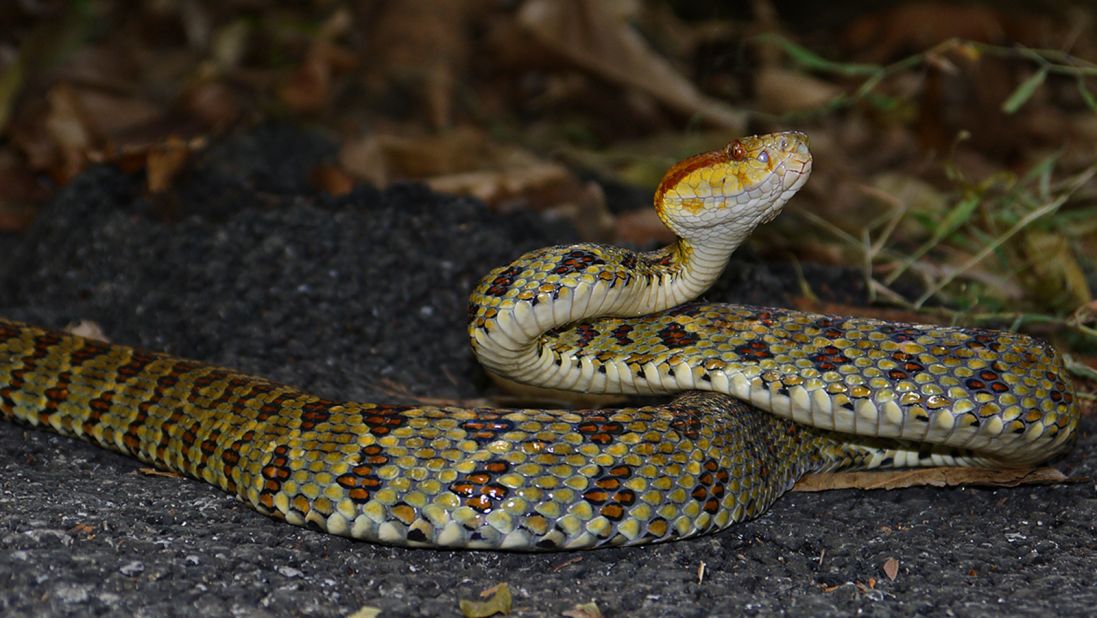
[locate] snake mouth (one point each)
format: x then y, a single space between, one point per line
797 169
793 170
794 167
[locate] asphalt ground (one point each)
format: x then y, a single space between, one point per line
363 297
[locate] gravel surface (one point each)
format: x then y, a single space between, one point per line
364 297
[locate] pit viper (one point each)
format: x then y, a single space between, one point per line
769 394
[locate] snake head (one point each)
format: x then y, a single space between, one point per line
726 193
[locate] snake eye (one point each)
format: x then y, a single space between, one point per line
763 156
736 151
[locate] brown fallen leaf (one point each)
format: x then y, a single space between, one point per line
596 37
365 612
69 129
466 161
381 159
781 90
157 472
889 33
497 601
417 54
891 568
556 568
88 330
162 160
331 179
213 102
542 186
933 477
583 610
164 163
114 117
497 186
87 530
309 88
641 228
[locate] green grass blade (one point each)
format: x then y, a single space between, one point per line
814 62
1024 91
1087 96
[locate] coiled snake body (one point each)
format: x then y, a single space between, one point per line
788 392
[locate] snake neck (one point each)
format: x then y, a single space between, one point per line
515 309
712 202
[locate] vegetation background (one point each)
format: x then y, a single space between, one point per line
955 143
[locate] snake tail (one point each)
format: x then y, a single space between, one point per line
417 476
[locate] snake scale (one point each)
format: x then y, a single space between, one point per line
771 394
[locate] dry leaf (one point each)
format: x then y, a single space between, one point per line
556 568
85 529
594 37
466 162
891 568
934 477
499 186
583 610
164 162
780 90
213 102
888 34
112 116
498 602
416 48
331 179
308 89
69 129
381 159
641 228
158 472
365 612
540 187
229 44
88 330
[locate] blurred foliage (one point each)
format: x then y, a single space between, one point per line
954 142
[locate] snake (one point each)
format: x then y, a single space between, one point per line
761 396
